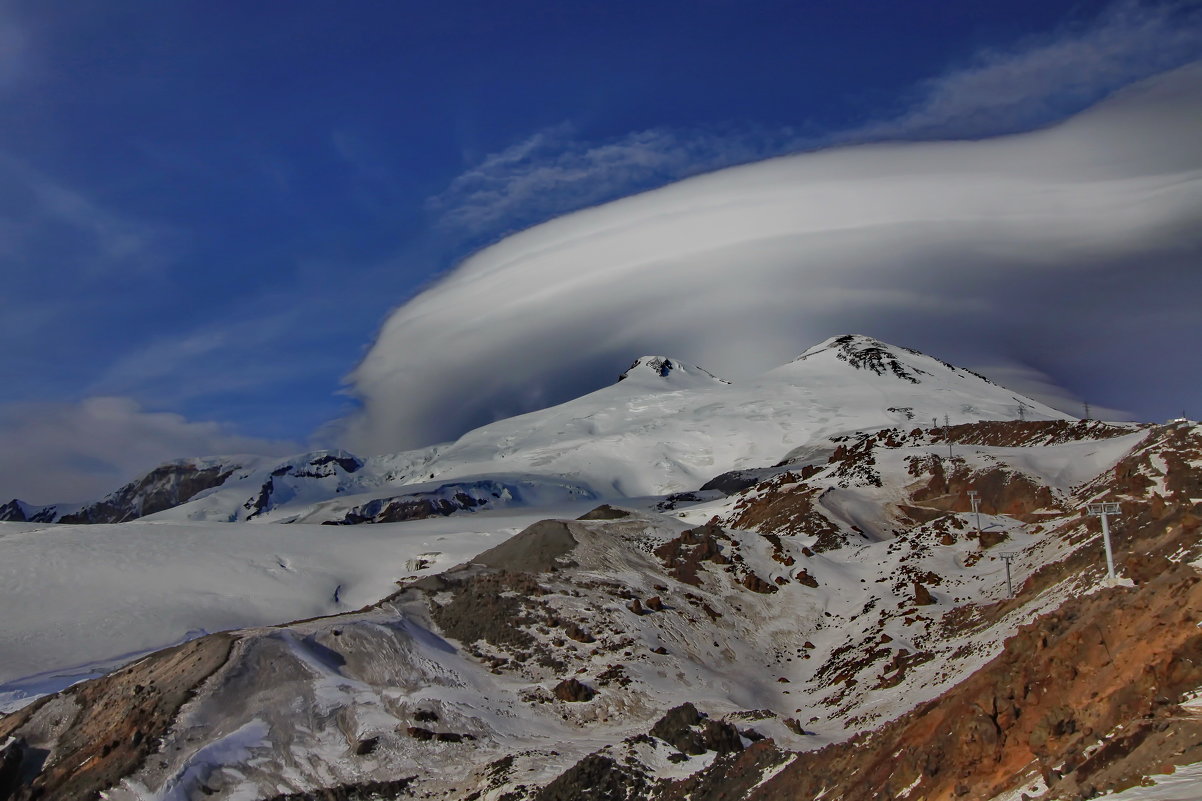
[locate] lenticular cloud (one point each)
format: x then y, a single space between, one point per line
1001 251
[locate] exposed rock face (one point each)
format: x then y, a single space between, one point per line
415 506
573 691
365 791
17 511
988 538
1014 433
164 487
1002 490
756 584
443 500
596 777
733 481
804 577
691 732
866 354
684 554
93 734
322 465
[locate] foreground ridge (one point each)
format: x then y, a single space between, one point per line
838 628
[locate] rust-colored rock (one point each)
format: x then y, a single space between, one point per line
803 576
111 726
990 538
683 555
573 691
756 584
575 632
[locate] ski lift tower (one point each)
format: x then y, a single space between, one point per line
1104 510
1007 557
974 498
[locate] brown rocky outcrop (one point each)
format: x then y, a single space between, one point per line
102 730
573 691
691 732
596 776
990 538
1003 491
756 584
785 505
683 555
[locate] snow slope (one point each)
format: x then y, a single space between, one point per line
80 599
665 426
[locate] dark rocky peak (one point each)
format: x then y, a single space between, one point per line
666 368
656 365
866 353
319 464
162 488
17 511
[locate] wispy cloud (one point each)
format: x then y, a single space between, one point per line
553 171
1031 83
1044 78
46 221
1035 383
71 452
256 344
14 50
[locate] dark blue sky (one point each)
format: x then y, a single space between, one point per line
210 207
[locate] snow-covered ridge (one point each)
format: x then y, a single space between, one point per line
665 426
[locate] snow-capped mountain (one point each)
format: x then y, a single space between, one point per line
665 426
844 629
656 433
166 486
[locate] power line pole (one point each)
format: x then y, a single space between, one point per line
1087 417
947 434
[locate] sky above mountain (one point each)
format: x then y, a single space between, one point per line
208 213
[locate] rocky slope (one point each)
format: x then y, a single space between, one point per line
839 630
165 487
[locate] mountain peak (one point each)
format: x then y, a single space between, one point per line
867 353
673 370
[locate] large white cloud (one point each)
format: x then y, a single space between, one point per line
71 452
1027 250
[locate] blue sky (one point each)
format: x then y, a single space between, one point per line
207 210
